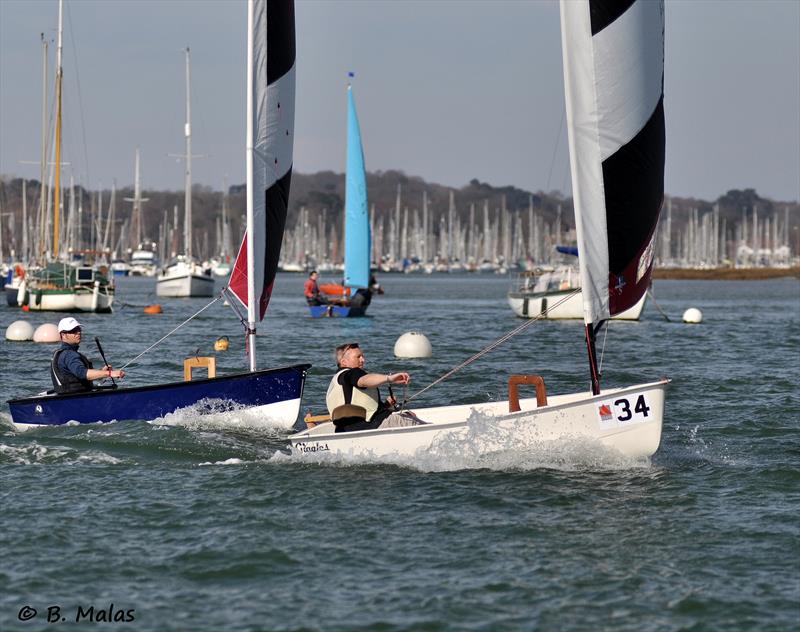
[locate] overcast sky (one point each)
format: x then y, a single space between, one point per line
447 90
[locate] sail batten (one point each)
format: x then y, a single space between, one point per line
613 54
270 138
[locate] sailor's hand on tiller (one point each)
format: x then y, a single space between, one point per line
399 378
112 373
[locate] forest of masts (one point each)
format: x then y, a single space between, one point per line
429 239
500 239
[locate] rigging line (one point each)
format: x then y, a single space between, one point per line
160 340
658 307
493 345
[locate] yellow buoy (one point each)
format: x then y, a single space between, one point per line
221 344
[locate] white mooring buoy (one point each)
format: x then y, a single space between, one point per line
46 333
693 316
19 331
413 344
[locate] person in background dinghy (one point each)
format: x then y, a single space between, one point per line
311 291
70 370
353 399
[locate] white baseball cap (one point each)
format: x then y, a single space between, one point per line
68 324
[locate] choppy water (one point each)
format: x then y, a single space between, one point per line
197 526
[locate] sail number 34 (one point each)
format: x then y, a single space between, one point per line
624 410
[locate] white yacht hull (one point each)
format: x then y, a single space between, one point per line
81 299
184 285
627 419
530 305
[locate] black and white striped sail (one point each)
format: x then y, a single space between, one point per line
613 53
270 139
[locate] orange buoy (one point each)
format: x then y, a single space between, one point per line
152 309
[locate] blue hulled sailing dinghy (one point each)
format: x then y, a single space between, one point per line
352 298
613 55
272 395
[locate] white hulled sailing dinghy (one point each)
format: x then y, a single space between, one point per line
613 73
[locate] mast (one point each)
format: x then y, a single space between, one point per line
187 130
43 164
137 205
57 165
137 199
25 258
250 338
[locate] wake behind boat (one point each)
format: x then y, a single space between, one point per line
614 80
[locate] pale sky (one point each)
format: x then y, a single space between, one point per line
446 90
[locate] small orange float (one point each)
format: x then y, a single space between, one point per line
152 309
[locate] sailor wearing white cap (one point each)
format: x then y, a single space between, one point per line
70 370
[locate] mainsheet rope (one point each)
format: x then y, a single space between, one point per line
492 346
163 338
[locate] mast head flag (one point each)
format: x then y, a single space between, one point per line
271 93
613 52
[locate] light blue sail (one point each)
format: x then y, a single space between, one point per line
357 240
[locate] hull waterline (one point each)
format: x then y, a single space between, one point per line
336 311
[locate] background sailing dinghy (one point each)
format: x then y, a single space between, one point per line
345 299
614 76
273 394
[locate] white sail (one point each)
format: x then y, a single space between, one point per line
270 141
613 76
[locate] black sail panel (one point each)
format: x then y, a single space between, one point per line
634 191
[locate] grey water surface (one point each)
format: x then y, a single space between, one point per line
201 522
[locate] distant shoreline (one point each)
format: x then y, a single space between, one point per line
726 274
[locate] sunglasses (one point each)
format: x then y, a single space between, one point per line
73 331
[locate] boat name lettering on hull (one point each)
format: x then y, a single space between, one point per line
314 447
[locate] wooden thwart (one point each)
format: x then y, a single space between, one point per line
313 420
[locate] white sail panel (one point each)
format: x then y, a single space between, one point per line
585 160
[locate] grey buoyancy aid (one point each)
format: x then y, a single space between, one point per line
66 382
367 398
